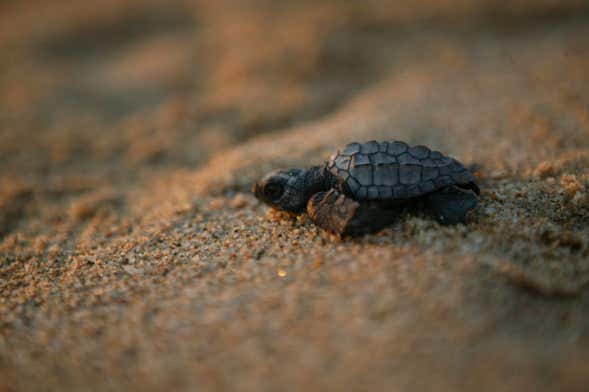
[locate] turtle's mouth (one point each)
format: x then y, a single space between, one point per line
258 191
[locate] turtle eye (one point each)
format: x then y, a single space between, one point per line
273 191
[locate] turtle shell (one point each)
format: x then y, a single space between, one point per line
394 170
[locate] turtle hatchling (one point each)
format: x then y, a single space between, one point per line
367 186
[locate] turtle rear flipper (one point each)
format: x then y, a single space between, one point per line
451 204
342 215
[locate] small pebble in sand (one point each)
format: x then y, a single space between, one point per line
87 206
216 204
544 169
570 185
238 201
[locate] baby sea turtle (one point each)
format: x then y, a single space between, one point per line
367 186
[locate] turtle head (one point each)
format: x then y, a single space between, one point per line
283 189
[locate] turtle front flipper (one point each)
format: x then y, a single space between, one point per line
450 205
342 215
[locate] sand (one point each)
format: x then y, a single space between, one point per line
133 255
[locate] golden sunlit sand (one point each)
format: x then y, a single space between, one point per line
133 255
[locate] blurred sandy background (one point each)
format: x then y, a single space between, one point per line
133 257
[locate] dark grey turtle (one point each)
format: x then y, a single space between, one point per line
367 186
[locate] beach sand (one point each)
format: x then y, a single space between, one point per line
133 255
